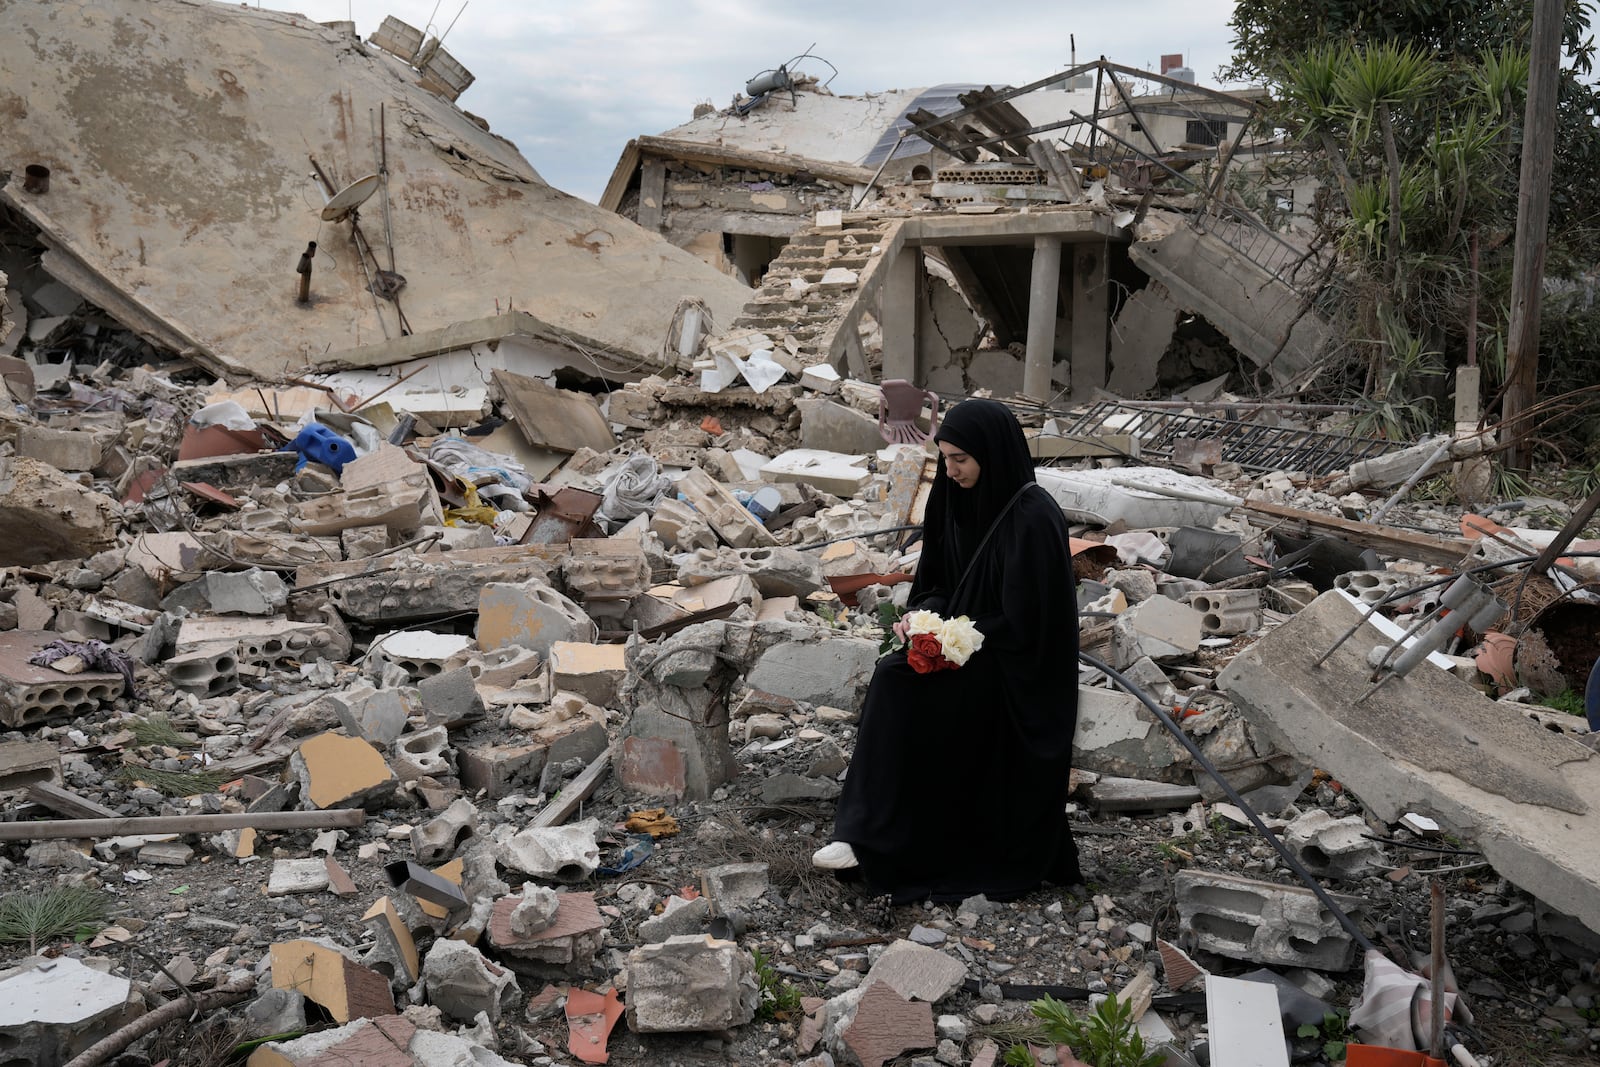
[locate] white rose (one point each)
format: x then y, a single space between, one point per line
959 639
922 622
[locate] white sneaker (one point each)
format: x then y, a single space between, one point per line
838 856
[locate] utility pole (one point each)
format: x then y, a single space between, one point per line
1533 218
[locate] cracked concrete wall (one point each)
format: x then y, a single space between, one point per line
947 338
180 198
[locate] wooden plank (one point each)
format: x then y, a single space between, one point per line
66 802
1405 543
554 418
573 793
1244 1023
182 824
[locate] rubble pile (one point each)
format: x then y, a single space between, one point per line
409 740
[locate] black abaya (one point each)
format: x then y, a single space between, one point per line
959 778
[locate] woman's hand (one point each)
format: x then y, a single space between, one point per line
900 628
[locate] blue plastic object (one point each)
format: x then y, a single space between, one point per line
317 442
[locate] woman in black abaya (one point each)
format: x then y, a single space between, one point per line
959 778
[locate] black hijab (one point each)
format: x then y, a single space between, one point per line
956 519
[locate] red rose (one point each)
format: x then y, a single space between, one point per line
920 663
926 654
928 645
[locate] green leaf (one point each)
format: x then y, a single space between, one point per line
1307 1030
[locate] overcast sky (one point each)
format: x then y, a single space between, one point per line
570 81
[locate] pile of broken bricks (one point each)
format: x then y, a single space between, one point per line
395 734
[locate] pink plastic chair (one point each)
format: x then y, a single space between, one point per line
899 406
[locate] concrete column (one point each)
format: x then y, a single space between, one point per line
1090 305
898 307
1042 298
652 193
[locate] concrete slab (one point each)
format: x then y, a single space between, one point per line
464 204
1432 744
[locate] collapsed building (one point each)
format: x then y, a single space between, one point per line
1050 241
393 684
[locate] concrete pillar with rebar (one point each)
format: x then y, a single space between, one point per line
1043 295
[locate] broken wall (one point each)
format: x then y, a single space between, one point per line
181 199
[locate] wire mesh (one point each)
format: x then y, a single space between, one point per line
1254 446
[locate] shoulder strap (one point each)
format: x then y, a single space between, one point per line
973 560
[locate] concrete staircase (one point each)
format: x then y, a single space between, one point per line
823 320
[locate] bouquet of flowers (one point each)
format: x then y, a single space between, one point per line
934 643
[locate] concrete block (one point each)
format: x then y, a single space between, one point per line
1331 847
590 670
560 853
722 510
502 770
65 450
832 671
25 762
336 771
436 840
1370 587
398 507
461 983
730 589
690 983
678 918
450 698
832 472
51 1010
380 593
393 953
1290 595
1159 628
268 642
277 1011
1117 735
344 988
208 671
736 883
31 694
917 972
45 515
681 527
531 615
420 653
789 788
581 737
1228 611
363 542
1276 925
376 715
251 592
606 568
828 426
570 941
421 754
297 876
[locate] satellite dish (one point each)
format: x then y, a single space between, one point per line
1119 220
349 198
